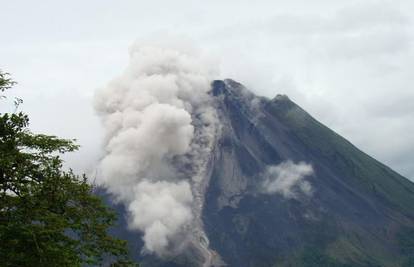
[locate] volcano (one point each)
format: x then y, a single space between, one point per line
282 189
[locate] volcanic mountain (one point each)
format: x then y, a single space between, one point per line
282 189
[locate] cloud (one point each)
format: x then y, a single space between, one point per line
156 115
160 209
287 179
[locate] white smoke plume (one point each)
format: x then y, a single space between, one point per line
161 208
287 178
156 114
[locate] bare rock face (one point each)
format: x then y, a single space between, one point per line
284 190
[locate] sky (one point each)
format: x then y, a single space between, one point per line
350 64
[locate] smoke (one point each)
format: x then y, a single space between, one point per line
156 115
160 209
287 179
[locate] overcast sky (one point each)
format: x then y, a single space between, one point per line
349 63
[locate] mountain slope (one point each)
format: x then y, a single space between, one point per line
351 210
357 211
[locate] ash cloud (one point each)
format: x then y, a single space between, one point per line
160 209
287 179
155 115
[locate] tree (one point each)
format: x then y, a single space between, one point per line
48 216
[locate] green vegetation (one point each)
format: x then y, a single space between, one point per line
48 216
363 171
315 257
383 190
406 242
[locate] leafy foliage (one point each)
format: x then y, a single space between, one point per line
48 216
5 81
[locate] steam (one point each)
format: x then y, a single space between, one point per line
287 179
156 115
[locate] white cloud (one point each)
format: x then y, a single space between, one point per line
287 179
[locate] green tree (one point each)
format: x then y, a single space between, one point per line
48 216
